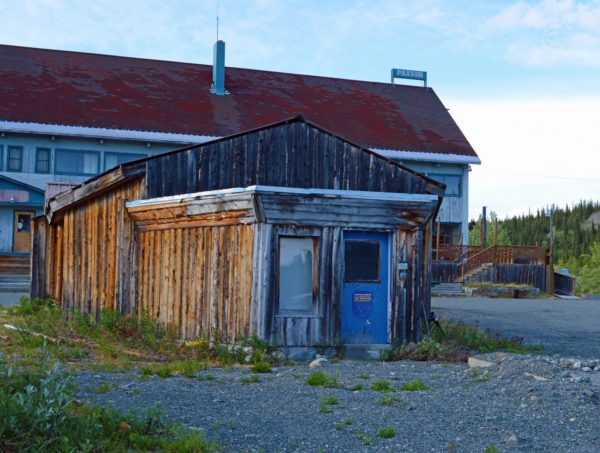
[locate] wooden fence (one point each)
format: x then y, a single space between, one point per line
527 274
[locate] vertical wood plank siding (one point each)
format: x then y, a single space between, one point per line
287 155
222 277
88 255
198 279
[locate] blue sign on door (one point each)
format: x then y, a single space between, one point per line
365 288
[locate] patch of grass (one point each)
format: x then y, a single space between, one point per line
366 438
386 432
387 400
414 386
261 367
478 375
252 379
109 341
356 387
491 448
326 402
163 370
455 343
104 387
382 386
364 376
321 379
340 426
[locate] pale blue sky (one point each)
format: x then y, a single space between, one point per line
521 78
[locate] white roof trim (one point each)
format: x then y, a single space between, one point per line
100 132
173 137
427 157
391 196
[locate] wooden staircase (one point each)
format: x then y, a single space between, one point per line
15 273
478 274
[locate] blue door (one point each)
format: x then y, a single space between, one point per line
365 288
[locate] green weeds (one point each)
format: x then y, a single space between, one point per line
252 379
414 386
39 413
321 379
386 432
382 386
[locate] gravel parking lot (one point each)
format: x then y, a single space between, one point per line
562 326
523 403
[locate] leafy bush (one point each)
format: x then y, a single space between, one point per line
38 413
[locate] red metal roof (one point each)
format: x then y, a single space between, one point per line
82 89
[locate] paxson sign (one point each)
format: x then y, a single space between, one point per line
409 74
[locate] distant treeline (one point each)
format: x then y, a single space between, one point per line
574 233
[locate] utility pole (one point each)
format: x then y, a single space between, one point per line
483 230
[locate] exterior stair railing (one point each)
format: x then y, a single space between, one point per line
501 254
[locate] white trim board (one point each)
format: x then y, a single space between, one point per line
392 196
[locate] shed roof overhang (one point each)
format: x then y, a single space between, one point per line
285 205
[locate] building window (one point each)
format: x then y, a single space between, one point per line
297 274
113 159
449 233
361 261
15 158
72 162
42 160
453 183
1 157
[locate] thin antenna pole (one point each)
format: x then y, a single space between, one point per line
217 20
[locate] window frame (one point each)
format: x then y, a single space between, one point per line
9 148
37 159
444 175
75 151
114 153
313 312
379 270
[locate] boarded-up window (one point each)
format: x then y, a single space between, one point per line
361 261
296 273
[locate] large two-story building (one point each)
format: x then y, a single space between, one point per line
67 116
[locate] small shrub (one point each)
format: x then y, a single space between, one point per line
491 449
414 386
386 432
321 379
261 367
382 386
356 387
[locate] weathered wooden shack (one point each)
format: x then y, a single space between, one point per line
288 231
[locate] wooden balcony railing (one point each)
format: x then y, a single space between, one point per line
503 254
454 252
